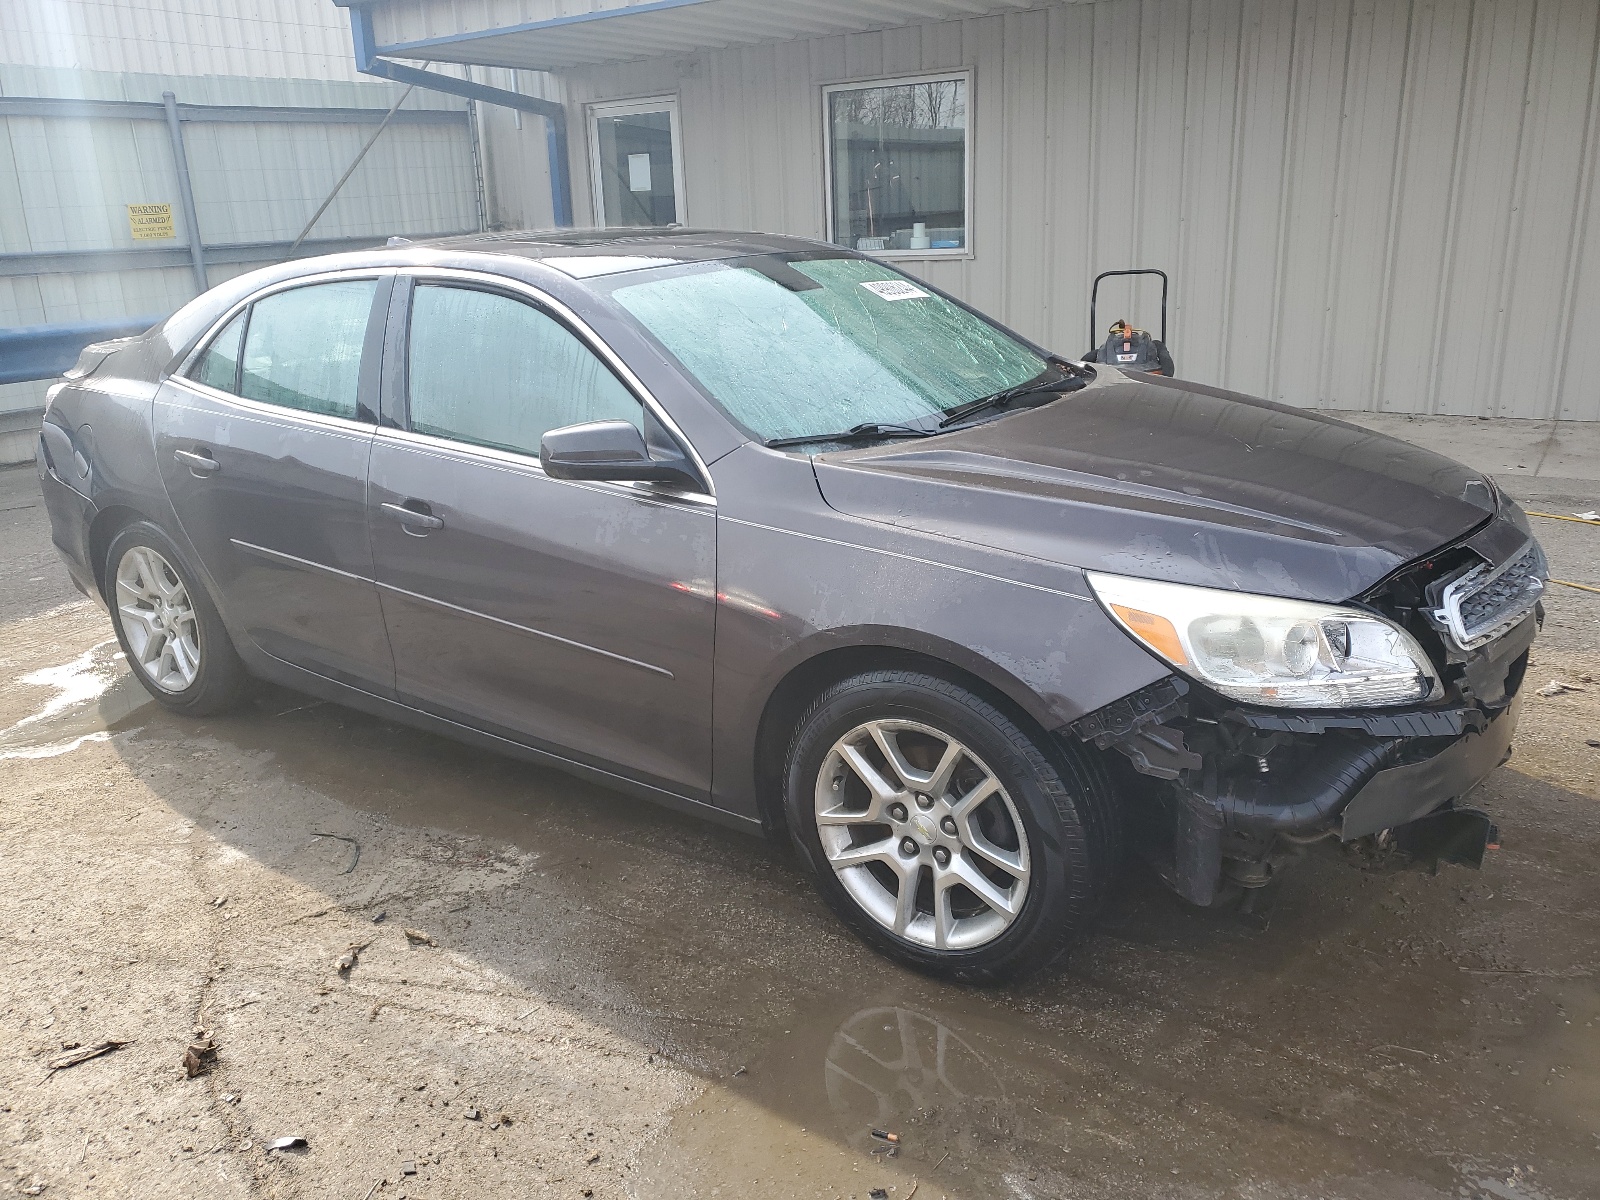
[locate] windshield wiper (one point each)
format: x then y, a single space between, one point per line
866 431
1063 383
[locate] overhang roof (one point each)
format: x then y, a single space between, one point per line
650 28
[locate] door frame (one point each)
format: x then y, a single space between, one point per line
628 108
395 403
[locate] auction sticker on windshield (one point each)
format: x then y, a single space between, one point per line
894 289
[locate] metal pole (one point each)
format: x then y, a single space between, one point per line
376 134
480 162
197 257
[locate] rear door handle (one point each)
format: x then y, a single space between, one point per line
198 464
411 518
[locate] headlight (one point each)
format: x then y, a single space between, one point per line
1263 650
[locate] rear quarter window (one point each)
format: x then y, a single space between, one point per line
218 366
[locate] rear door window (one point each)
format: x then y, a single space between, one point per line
495 371
302 348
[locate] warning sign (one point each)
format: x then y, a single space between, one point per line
150 222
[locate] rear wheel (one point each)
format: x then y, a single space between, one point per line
167 626
942 833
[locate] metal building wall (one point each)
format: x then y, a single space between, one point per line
270 39
1365 204
66 250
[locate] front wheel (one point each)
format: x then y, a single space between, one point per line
941 832
168 628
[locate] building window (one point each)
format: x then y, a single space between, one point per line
637 162
898 165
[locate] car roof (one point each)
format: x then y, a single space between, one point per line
586 253
579 254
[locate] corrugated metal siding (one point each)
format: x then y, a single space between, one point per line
269 38
365 92
260 182
1365 204
64 183
557 34
516 160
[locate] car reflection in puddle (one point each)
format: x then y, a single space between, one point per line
890 1067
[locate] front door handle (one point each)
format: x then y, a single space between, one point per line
199 464
415 521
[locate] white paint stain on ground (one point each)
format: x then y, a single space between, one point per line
76 684
56 748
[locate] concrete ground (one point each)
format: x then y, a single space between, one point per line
605 999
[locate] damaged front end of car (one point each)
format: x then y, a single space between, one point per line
1267 739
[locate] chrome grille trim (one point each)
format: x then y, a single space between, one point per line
1489 601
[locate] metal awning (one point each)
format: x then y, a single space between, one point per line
629 32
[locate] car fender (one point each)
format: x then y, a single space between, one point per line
797 580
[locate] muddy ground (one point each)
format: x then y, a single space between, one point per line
608 999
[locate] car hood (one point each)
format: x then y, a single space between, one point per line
1175 481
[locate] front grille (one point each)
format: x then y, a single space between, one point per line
1487 601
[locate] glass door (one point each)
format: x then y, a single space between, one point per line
637 162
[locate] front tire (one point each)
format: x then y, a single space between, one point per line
167 625
941 832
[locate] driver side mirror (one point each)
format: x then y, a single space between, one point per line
614 451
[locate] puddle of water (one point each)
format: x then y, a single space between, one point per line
92 694
74 683
56 749
1481 1180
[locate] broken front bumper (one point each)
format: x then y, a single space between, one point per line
1232 793
1398 795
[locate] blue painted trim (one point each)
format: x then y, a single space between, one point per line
363 39
555 136
31 352
464 87
454 39
369 62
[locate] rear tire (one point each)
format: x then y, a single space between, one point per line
167 625
942 833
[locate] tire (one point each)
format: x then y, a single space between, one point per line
167 625
1036 825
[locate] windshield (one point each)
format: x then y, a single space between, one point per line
791 348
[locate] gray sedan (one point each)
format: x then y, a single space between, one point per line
773 533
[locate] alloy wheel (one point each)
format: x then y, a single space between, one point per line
158 619
922 835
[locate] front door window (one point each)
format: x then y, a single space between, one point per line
637 163
496 372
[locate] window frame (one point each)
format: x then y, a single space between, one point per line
963 75
371 348
625 108
396 396
403 365
191 369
